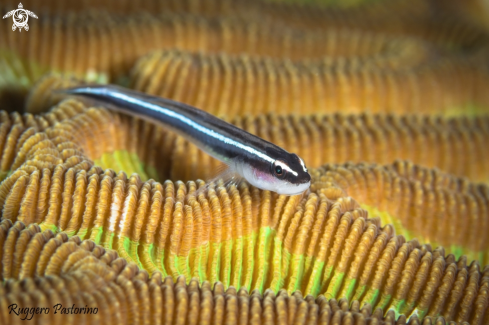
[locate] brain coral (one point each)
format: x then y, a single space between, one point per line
397 77
80 46
75 40
218 234
93 211
456 144
389 192
70 271
422 203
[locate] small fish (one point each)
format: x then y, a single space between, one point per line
261 163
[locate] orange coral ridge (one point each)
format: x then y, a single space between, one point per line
165 227
456 144
443 21
88 56
27 252
80 46
71 271
216 234
320 244
421 203
398 198
397 77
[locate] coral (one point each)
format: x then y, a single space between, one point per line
92 211
179 229
80 46
403 194
456 144
21 143
71 271
126 7
319 244
41 97
426 204
391 77
103 45
436 21
442 21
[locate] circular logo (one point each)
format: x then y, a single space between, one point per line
20 17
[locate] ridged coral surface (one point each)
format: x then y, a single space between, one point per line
74 274
80 46
218 234
71 267
390 191
422 203
396 77
457 144
102 44
384 100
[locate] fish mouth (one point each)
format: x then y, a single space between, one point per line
296 190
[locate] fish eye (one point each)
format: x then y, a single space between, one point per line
278 170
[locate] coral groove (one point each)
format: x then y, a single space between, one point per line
397 77
80 273
322 243
102 210
457 144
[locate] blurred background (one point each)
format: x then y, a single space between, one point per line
235 56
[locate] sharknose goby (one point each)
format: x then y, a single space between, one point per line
258 161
